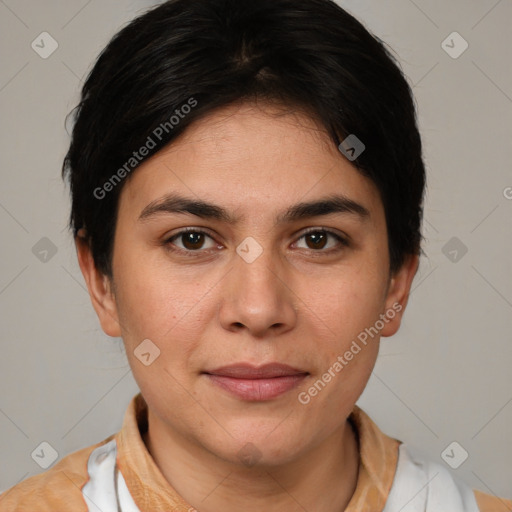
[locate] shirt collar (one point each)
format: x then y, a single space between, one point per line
378 456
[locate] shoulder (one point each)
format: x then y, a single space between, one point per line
488 503
434 488
55 488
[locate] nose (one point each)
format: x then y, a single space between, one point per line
257 296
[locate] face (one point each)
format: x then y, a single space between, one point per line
286 263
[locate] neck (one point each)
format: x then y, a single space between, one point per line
324 478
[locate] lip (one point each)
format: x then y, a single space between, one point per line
256 383
249 371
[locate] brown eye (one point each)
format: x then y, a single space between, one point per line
190 241
319 240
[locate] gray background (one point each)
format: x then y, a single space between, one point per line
445 377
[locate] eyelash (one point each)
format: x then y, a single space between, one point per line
168 242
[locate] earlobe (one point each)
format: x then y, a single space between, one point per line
100 288
398 294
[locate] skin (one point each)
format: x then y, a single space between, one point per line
297 303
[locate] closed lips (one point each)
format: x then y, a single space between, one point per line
248 371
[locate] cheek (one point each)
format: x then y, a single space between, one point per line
344 313
345 347
349 304
168 311
158 304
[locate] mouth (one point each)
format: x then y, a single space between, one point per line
253 383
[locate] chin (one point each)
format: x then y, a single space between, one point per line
264 447
253 457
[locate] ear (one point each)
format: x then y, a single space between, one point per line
100 288
398 294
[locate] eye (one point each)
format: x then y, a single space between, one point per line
190 240
318 240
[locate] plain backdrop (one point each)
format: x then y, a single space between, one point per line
445 377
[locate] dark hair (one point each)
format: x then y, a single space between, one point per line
205 54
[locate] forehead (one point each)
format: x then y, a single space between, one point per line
257 159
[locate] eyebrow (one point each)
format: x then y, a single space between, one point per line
175 203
